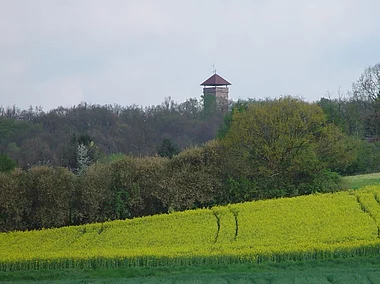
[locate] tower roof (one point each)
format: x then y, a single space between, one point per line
215 80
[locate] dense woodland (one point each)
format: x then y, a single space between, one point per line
32 137
92 163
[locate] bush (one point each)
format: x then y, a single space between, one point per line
50 191
134 182
367 159
6 163
323 182
192 178
14 204
239 189
93 193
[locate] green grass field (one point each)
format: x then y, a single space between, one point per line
358 181
345 271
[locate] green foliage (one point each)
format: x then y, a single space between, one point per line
272 148
324 181
14 203
334 110
93 193
209 104
285 147
192 177
10 127
238 107
34 137
367 159
84 139
168 149
335 149
134 183
112 158
6 163
38 198
240 189
357 112
50 191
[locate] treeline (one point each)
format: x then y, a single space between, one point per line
268 149
34 137
94 163
357 114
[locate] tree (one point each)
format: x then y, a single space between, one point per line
6 163
334 108
83 159
93 193
240 106
14 203
34 137
367 88
367 91
134 182
191 178
274 144
50 192
167 149
335 149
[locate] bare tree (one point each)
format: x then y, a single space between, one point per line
366 96
367 88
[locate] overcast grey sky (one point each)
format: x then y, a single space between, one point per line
60 53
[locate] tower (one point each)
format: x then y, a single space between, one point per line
215 93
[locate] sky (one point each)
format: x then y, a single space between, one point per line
61 53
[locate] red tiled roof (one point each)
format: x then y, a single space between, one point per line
215 80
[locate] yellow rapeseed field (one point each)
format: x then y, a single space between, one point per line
306 227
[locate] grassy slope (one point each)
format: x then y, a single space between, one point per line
351 270
355 182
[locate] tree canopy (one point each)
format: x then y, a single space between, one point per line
283 146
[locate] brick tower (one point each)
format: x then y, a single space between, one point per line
215 93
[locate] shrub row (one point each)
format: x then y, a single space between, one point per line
46 196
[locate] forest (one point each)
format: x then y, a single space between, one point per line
92 163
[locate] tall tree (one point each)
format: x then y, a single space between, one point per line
366 91
275 144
